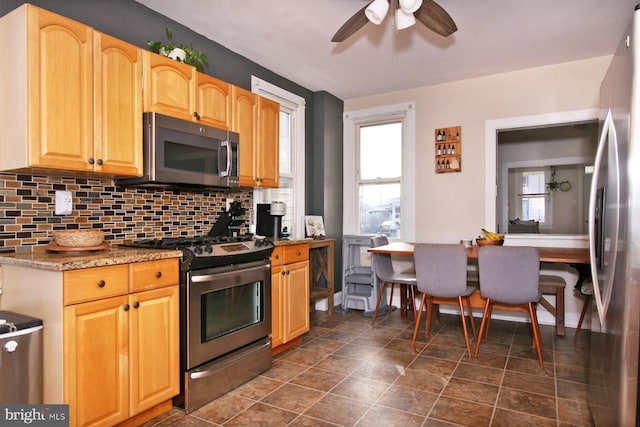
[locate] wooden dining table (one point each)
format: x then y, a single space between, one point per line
547 254
578 257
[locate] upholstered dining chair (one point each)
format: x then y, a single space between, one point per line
441 273
383 269
510 275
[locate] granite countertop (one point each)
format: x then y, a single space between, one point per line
61 261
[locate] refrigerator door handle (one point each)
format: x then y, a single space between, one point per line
602 286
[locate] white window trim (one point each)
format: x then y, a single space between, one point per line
297 105
491 129
351 120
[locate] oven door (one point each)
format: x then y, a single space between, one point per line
228 308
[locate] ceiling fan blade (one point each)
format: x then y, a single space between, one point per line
354 23
434 17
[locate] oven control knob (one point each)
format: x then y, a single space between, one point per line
197 250
208 249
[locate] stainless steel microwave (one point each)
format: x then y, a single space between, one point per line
180 153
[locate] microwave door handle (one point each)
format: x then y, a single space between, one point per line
227 169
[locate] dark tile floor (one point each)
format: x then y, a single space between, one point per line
348 373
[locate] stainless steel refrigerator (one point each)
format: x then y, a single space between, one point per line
614 237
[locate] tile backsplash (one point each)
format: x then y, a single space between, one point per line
27 210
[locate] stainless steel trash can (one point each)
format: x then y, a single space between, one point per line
20 358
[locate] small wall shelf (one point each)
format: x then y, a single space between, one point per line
448 149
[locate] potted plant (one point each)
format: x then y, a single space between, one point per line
179 52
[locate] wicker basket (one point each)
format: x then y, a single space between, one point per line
78 238
487 242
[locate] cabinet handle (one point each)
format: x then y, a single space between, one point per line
136 304
158 274
91 160
288 273
196 115
299 253
126 307
99 162
277 256
101 283
283 272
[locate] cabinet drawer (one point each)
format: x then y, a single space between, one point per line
277 256
295 253
154 274
94 283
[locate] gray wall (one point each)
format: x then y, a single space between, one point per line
324 179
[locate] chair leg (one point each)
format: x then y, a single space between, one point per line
417 327
429 313
473 324
536 331
375 312
413 300
389 310
487 310
464 326
587 300
486 332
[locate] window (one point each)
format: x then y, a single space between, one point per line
379 171
379 177
291 190
532 199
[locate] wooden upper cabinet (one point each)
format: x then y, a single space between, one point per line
71 97
59 90
169 86
244 121
214 102
257 121
118 106
268 142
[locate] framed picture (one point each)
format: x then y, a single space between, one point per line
314 226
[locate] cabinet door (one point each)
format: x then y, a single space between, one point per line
268 163
277 276
60 91
169 86
244 121
96 385
154 373
118 106
214 101
296 300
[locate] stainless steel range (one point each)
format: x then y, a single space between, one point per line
225 313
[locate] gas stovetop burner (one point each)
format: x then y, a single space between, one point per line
185 242
212 250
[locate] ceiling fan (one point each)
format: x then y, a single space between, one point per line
427 12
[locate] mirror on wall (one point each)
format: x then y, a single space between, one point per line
544 177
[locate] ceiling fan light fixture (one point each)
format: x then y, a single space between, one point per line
404 19
410 6
376 11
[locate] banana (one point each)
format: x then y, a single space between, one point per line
492 236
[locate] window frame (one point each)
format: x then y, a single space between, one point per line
351 121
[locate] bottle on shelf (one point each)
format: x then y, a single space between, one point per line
453 148
448 165
440 150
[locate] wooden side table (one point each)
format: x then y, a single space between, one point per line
321 255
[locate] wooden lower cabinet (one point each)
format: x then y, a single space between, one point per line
121 353
289 293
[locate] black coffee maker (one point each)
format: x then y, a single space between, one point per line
269 219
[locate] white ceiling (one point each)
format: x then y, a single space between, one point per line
293 39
